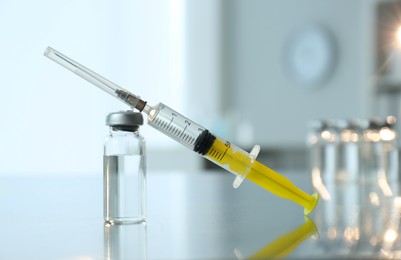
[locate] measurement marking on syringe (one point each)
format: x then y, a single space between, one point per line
224 153
212 152
220 156
183 131
216 154
170 122
169 127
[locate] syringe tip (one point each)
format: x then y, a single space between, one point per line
312 207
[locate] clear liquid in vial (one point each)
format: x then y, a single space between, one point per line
124 189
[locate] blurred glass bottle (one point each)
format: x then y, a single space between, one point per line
348 150
369 159
388 151
124 165
323 142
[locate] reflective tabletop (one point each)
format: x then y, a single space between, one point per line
197 215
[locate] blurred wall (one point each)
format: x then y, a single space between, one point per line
260 87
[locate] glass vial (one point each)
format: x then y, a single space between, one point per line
322 152
124 167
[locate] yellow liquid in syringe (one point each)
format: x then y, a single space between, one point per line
237 162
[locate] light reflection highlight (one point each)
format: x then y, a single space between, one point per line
328 136
351 234
387 134
398 36
397 203
318 184
373 136
390 235
374 199
383 184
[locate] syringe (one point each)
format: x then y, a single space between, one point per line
198 138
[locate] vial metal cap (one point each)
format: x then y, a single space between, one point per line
124 119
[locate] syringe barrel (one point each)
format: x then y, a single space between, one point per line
198 139
225 155
174 125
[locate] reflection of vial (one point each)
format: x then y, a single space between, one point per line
124 169
125 241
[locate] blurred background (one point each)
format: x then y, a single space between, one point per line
253 72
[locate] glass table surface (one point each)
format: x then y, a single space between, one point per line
197 215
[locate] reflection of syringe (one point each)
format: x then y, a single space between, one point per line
198 138
285 244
